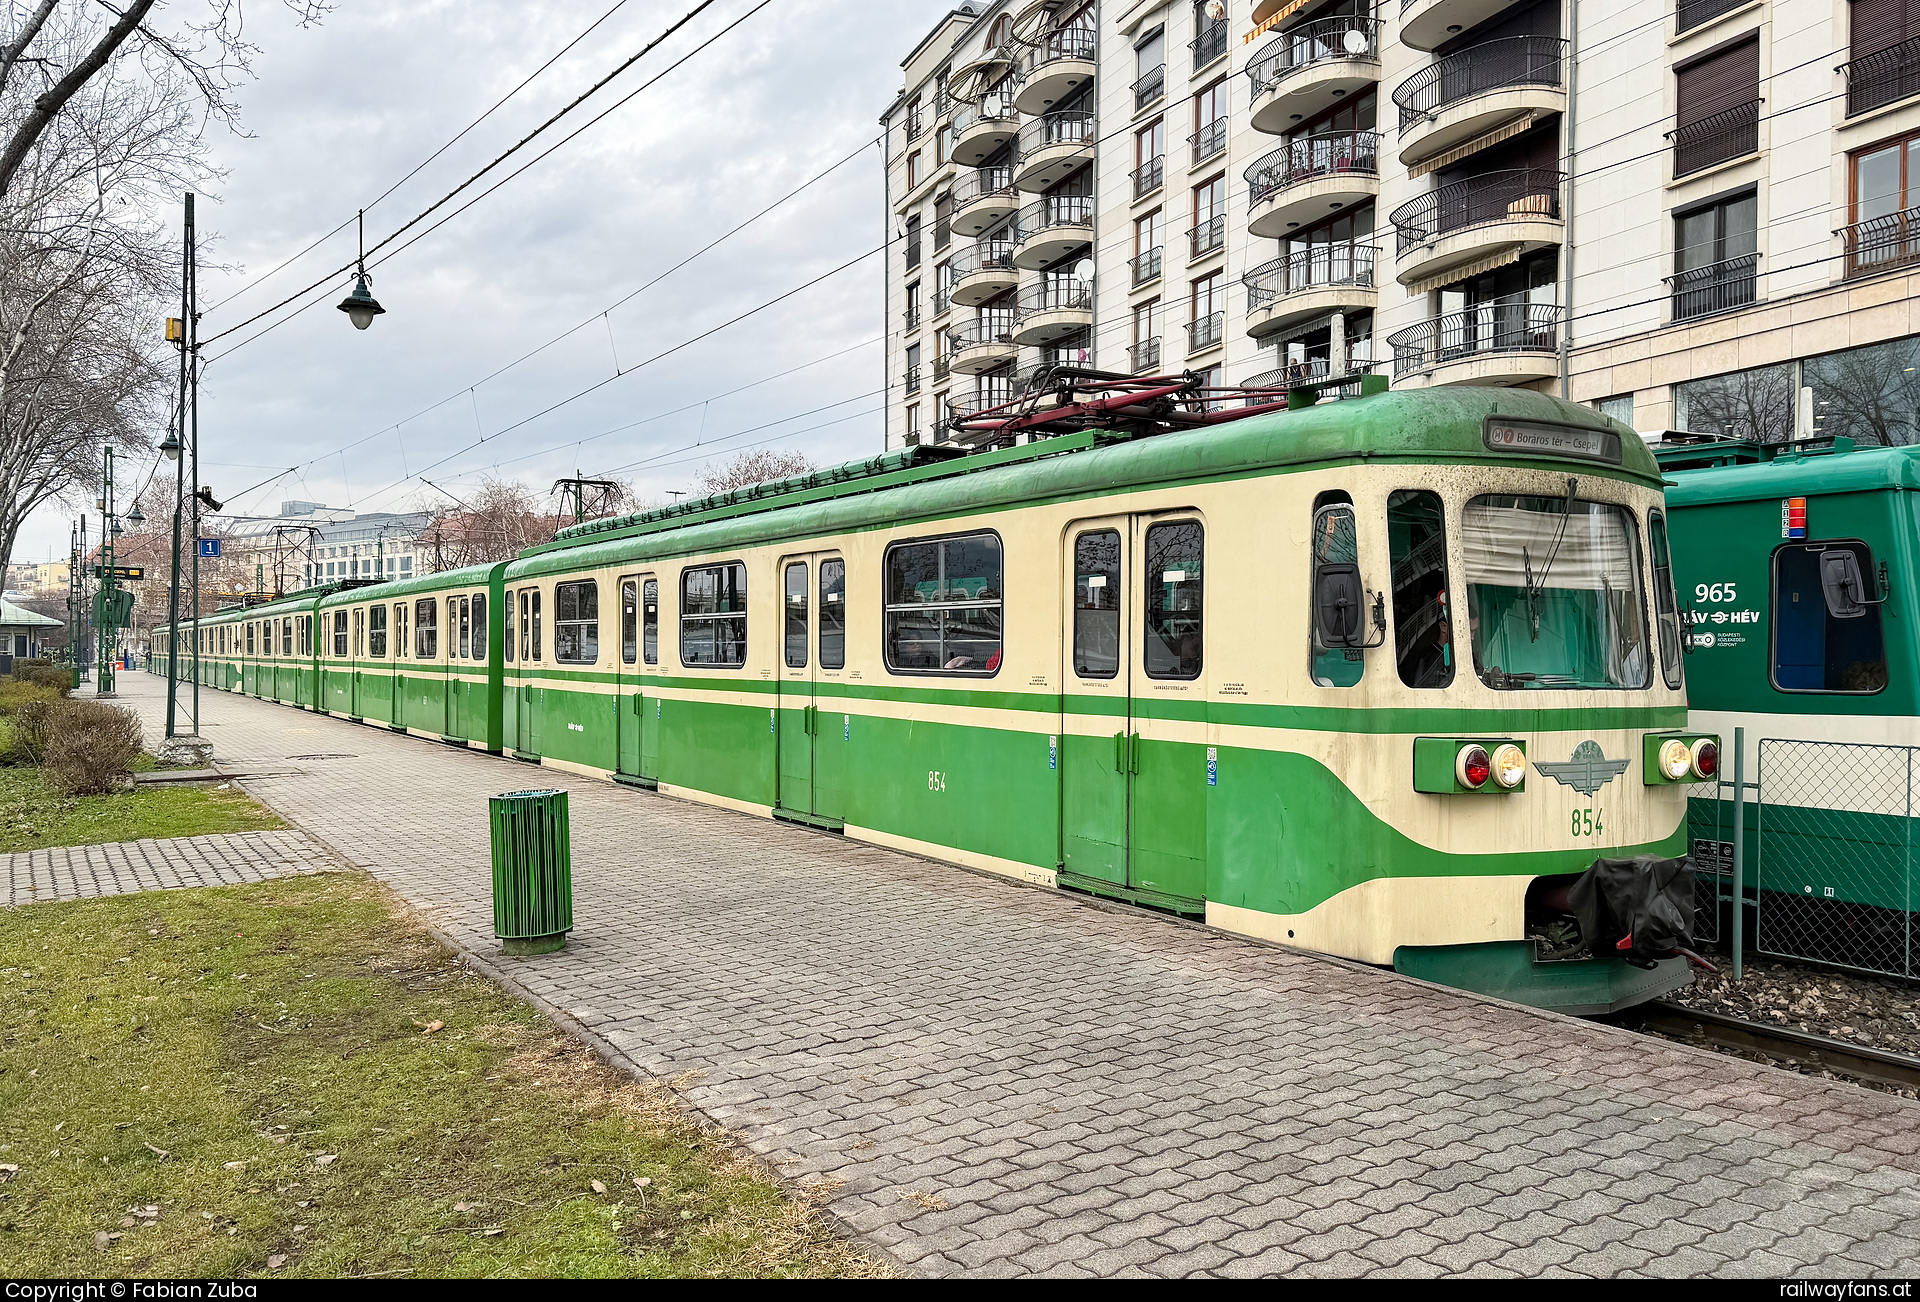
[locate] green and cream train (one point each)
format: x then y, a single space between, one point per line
1360 678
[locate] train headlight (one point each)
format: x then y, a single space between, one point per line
1676 760
1473 766
1509 765
1704 759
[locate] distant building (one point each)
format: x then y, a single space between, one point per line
24 634
46 579
310 543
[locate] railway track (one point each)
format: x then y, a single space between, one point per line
1694 1025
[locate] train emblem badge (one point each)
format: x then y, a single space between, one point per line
1586 771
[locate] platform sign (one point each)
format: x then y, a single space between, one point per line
209 546
131 572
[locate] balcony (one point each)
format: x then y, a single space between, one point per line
983 197
1725 286
1053 228
1210 44
1148 177
1881 243
1496 213
1206 332
1691 13
1144 356
982 344
913 380
1883 77
1151 86
1052 311
913 319
1307 68
1146 268
1503 341
1429 24
1209 142
979 130
1052 148
1308 178
942 368
942 300
1716 138
1310 282
1470 92
1064 61
982 271
1210 236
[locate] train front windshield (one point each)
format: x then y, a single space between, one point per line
1554 595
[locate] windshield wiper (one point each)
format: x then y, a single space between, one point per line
1537 587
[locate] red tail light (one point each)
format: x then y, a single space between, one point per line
1474 767
1706 759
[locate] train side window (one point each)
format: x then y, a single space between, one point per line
426 628
1174 565
509 636
833 614
535 594
1666 607
795 607
377 632
650 622
400 630
1422 622
1096 604
286 637
479 626
359 632
339 635
1826 629
249 637
453 628
466 629
629 621
713 615
944 606
576 622
1336 541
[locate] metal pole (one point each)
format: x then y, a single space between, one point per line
1739 852
104 687
193 396
179 485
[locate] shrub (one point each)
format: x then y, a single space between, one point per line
27 734
15 694
44 674
90 747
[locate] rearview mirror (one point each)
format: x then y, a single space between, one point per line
1339 604
1842 585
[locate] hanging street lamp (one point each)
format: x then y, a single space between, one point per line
136 516
170 449
361 306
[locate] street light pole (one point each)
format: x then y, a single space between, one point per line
104 686
179 486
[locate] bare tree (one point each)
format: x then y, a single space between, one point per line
755 466
496 522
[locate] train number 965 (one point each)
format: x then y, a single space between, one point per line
1586 822
1721 592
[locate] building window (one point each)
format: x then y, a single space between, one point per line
1145 351
914 173
576 623
426 629
1150 71
943 606
1755 404
942 222
1619 408
913 368
1885 204
913 242
1208 296
1146 248
1149 158
1716 109
1694 12
1210 34
1210 121
713 616
1826 620
1715 261
913 306
916 117
913 424
1884 61
1209 216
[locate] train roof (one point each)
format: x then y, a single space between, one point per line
466 576
1446 424
1837 467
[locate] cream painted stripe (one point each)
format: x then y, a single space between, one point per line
1369 921
708 798
1023 872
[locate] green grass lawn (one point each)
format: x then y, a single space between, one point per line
32 816
289 1078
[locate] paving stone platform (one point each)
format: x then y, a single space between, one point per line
78 872
1005 1080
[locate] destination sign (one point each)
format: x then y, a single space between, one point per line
122 572
1542 438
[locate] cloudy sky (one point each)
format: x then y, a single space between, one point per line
341 111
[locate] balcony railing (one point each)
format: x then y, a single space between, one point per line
1519 194
942 368
942 300
1145 355
1730 133
977 183
1209 141
1209 236
1890 240
1513 324
1149 176
988 328
1077 43
1063 295
986 255
1146 267
994 107
1151 86
916 122
913 318
1308 158
1504 64
1714 288
1328 40
1206 331
1319 266
913 380
1692 13
1883 77
1057 210
1069 128
1314 367
1210 44
1074 350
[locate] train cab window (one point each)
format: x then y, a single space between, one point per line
400 642
795 606
944 606
1554 594
377 632
359 632
1826 620
1666 608
629 621
1422 624
1096 604
1336 541
713 615
576 622
339 635
479 626
1173 573
426 629
650 622
833 614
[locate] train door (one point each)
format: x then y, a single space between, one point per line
1133 782
459 645
633 704
654 704
806 584
528 627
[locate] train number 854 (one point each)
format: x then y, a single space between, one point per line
1586 822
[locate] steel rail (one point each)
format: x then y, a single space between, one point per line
1879 1065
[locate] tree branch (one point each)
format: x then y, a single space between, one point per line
11 54
46 106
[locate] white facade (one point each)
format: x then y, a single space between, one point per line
1690 215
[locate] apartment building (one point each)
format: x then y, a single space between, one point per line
1695 217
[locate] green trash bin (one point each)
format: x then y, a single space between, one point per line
532 871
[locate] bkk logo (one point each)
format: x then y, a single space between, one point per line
1586 771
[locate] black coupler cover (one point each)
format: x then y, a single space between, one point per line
1639 908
